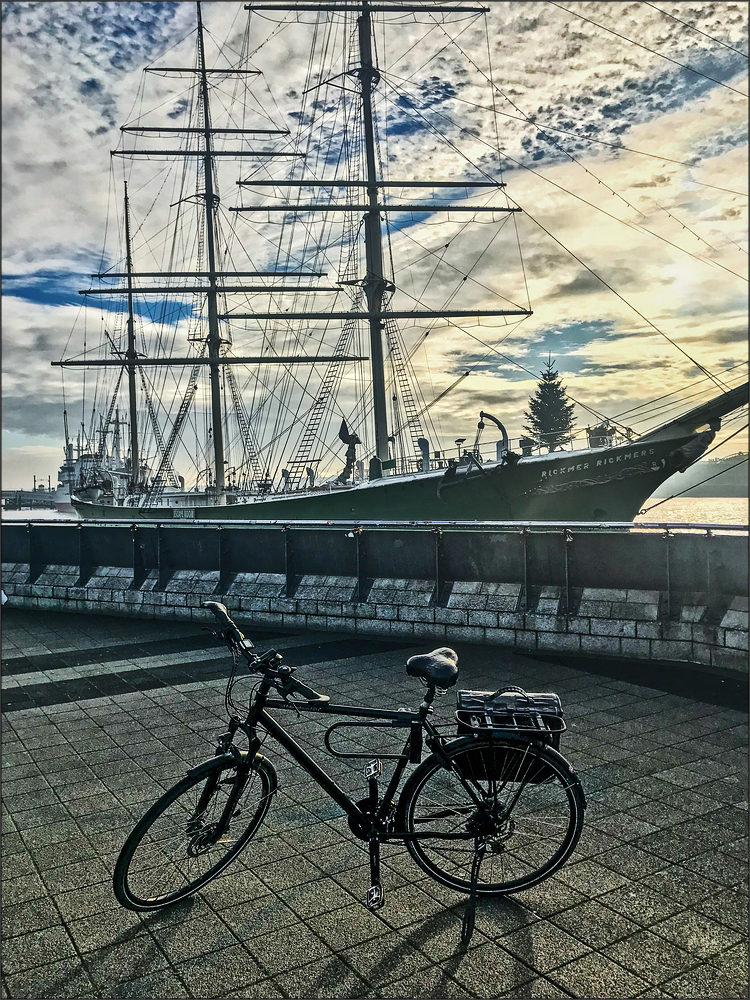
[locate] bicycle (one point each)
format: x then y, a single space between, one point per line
493 810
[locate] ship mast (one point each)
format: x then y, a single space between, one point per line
130 354
374 284
214 337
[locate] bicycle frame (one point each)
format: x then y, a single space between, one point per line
377 819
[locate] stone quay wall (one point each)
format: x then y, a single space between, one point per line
636 624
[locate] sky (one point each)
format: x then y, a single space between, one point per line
620 130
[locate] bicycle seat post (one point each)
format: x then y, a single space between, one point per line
426 707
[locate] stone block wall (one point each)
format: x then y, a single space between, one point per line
637 624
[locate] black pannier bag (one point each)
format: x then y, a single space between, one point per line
510 711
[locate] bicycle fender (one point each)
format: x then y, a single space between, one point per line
520 742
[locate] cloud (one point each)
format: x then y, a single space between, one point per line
71 71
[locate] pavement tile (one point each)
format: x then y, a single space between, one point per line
258 916
544 946
21 863
75 876
594 924
348 926
668 845
98 898
289 948
728 907
539 987
29 916
265 988
734 961
91 933
632 862
383 959
591 878
705 981
36 948
18 890
128 958
649 956
555 894
640 904
433 982
53 833
191 938
594 975
67 978
214 974
697 933
719 867
680 883
329 978
488 970
321 896
158 984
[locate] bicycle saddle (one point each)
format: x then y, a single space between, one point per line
440 667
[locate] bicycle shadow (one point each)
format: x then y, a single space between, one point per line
444 963
132 954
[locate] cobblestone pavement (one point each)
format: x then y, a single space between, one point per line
102 714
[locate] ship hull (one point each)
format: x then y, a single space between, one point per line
608 484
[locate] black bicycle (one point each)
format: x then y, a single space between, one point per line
492 809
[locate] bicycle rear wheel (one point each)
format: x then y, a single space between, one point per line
188 836
530 813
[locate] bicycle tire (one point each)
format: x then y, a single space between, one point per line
524 847
171 853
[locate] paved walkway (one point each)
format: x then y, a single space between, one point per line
101 714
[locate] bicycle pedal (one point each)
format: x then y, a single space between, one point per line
375 898
373 768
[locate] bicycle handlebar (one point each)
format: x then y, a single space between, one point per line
221 614
231 631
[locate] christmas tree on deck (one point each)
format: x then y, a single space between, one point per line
550 415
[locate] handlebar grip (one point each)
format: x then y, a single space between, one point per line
308 692
221 614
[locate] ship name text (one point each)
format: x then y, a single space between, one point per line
628 456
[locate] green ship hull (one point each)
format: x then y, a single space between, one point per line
608 484
595 484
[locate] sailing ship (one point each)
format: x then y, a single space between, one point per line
322 275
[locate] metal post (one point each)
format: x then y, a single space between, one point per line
525 601
224 573
36 566
288 561
567 539
360 591
163 569
84 559
439 581
139 568
668 602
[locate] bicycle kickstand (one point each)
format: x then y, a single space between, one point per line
375 898
467 926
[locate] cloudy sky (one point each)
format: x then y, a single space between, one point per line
620 130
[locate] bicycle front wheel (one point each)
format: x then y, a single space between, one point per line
193 832
522 799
